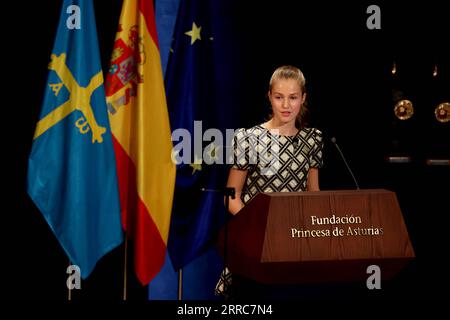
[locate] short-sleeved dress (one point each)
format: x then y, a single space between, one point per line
275 163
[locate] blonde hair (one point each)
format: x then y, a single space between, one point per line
291 72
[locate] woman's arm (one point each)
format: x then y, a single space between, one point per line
312 183
236 180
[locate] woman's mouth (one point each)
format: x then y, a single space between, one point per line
285 114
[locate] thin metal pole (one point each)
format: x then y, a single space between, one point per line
125 270
69 290
180 284
225 245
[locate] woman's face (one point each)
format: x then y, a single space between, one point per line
286 99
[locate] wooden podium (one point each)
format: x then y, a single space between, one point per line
323 236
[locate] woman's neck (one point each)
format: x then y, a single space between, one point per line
284 129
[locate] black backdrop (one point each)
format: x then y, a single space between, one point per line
350 95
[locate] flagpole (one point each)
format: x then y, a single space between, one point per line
125 269
69 290
180 284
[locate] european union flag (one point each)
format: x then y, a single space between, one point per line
71 170
194 85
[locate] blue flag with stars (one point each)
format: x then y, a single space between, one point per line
71 169
196 79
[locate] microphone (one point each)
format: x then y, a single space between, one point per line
333 139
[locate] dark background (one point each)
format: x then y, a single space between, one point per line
350 88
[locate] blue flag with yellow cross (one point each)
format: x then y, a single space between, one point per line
71 169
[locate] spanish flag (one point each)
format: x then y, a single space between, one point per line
142 138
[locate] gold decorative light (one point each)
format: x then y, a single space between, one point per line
404 109
442 112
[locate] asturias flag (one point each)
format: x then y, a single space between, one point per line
142 137
71 170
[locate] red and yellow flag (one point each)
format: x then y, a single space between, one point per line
142 138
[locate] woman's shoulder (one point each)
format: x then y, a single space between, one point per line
311 131
313 135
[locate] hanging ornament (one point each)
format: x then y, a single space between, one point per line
442 112
404 110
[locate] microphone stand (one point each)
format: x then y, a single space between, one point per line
345 161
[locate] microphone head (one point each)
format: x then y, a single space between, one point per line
333 139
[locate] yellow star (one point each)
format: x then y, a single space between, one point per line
197 165
194 33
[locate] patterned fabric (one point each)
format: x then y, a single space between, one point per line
276 163
224 285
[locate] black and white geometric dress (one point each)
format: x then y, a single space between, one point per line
275 163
